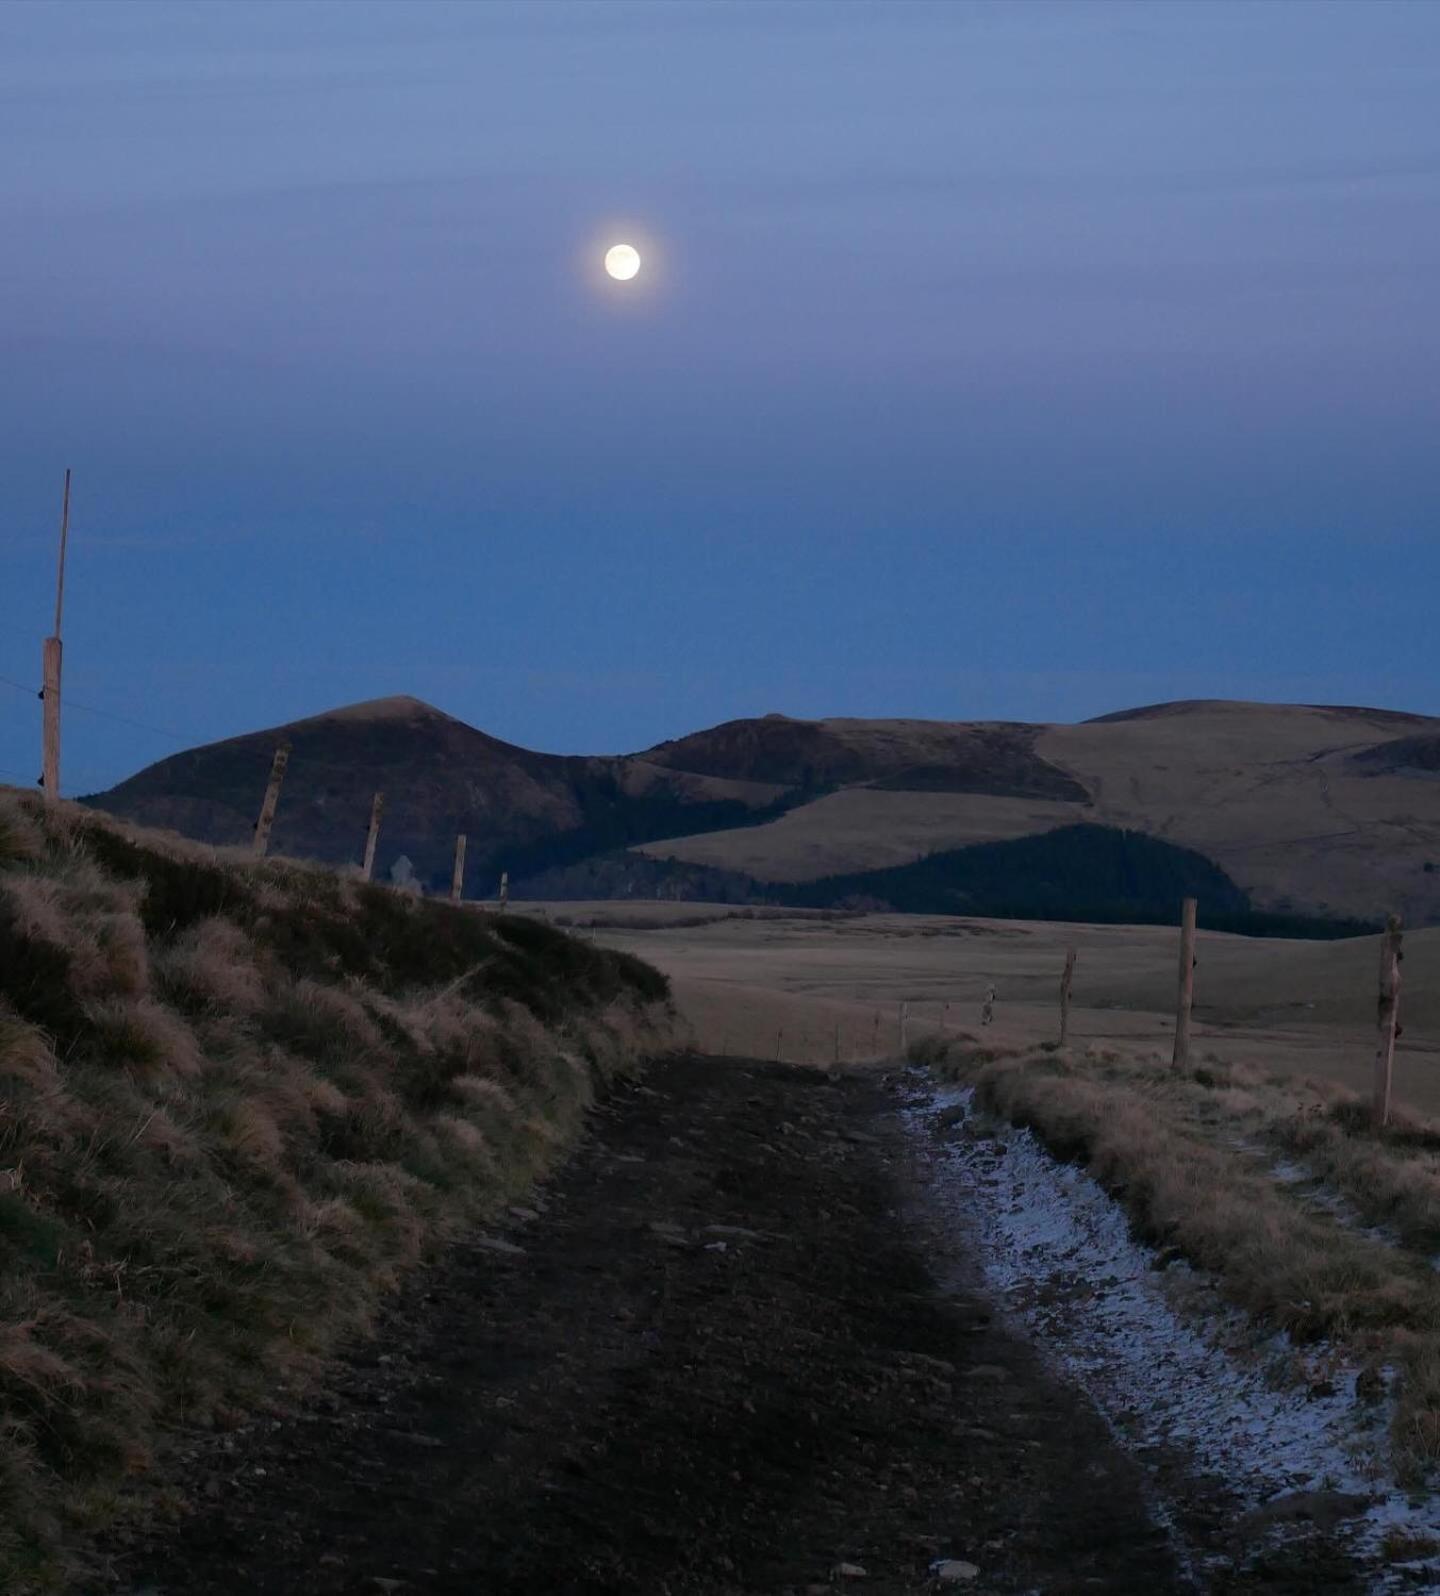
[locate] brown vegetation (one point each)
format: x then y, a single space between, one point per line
1276 1184
237 1100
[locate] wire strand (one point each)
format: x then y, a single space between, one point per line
104 714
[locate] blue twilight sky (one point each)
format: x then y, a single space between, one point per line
1010 360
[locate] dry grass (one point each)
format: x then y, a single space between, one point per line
237 1101
1308 1219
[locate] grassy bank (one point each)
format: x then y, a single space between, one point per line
237 1101
1309 1220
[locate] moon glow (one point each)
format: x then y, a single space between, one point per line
622 261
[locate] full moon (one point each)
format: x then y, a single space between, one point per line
622 261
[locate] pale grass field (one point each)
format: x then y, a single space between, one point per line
754 981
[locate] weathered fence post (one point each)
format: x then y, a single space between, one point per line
504 890
377 808
50 712
1389 1017
987 1008
779 1042
904 1028
457 877
1065 981
272 798
50 670
1186 996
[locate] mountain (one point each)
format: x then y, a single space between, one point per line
1315 811
520 810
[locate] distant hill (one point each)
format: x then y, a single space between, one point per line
520 810
1304 810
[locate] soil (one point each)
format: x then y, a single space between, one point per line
711 1357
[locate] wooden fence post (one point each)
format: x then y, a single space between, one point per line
1186 996
504 890
904 1029
779 1042
272 798
1065 981
50 669
1389 1016
457 879
377 808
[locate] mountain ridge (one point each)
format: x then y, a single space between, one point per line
1316 810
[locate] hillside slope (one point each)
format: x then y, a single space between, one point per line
237 1100
1311 810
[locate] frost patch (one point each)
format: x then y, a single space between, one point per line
1175 1372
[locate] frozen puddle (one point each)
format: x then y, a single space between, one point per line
1175 1373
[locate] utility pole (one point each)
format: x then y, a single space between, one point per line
1187 984
377 808
50 666
272 798
457 879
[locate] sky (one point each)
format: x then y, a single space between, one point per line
1020 360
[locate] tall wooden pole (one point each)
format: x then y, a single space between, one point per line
372 837
50 668
1389 1016
457 878
504 890
1065 981
272 798
1187 984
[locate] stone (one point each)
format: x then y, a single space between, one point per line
987 1371
954 1571
849 1571
507 1249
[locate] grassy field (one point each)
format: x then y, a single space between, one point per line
741 977
237 1101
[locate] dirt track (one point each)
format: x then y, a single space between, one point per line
720 1364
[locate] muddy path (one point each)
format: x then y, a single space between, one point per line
713 1358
